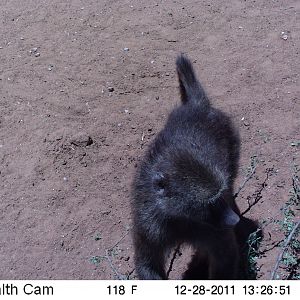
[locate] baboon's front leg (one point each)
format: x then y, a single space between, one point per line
224 257
150 261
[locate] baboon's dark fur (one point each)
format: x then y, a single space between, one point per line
183 190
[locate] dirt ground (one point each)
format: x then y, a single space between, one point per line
86 85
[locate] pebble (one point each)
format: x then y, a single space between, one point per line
33 50
126 49
37 54
110 89
82 140
295 144
50 67
126 111
284 35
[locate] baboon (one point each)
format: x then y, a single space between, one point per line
183 190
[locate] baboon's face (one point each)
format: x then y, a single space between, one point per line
222 215
184 199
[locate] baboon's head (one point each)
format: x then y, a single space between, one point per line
184 188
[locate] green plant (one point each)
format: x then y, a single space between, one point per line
97 237
253 243
96 260
289 256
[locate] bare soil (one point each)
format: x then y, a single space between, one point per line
86 85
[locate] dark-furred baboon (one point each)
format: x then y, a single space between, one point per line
183 190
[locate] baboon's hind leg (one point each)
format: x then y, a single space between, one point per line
197 268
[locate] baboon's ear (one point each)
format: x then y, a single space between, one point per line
229 218
160 183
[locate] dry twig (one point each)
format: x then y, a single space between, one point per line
108 258
176 251
279 258
245 181
258 195
118 275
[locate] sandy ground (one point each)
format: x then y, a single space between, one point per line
84 88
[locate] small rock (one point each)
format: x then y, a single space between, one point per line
33 50
82 140
295 144
284 35
241 27
50 67
97 237
110 89
21 38
37 54
126 111
126 49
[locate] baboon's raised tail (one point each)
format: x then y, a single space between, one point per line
190 89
